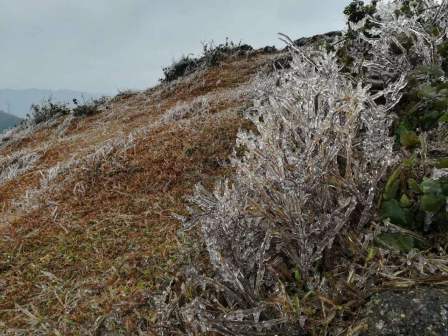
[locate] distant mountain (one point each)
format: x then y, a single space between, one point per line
18 102
7 120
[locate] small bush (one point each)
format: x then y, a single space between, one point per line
180 68
309 173
213 55
47 111
414 202
50 110
88 108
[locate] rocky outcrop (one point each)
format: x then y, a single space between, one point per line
416 312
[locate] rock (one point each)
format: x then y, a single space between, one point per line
415 312
328 37
269 49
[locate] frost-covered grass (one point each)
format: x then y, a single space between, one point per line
104 238
16 164
198 106
89 241
205 105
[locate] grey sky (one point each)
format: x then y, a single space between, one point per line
106 45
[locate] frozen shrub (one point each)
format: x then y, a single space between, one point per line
180 68
321 147
88 108
47 111
311 170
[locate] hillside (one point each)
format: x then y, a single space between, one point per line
301 191
87 203
7 121
18 102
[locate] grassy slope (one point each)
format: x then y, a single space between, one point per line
100 239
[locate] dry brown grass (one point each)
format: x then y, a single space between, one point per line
102 241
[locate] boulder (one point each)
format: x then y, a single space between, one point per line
420 312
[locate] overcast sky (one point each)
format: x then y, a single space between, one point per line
105 45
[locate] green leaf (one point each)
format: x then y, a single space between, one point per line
430 186
410 163
297 276
444 118
414 186
427 91
392 185
296 304
442 163
409 139
432 203
391 209
405 202
397 241
444 185
371 254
